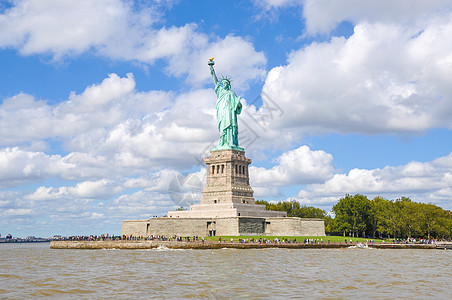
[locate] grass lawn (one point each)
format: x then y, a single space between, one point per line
333 239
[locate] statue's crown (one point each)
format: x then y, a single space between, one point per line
226 78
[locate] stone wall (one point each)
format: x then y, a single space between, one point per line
178 226
135 227
295 227
225 210
227 226
285 226
232 226
313 227
251 226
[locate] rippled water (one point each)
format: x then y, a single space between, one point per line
34 270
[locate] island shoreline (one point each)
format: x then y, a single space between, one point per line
155 244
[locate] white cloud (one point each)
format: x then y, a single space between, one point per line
424 182
393 74
25 119
266 191
299 166
235 57
140 205
24 113
18 166
383 78
98 96
71 27
110 199
107 129
114 29
17 212
101 189
324 16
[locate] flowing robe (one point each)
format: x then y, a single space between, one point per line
228 107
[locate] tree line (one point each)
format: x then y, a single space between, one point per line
358 216
295 209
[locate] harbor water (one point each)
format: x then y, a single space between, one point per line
36 271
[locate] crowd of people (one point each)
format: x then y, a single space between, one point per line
107 237
414 241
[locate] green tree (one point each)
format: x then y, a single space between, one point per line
410 215
449 222
376 219
328 223
309 212
352 214
356 215
294 209
434 220
391 215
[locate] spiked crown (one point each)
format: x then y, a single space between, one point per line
226 78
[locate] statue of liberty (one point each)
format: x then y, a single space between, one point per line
228 107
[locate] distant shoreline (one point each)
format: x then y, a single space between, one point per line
15 241
145 244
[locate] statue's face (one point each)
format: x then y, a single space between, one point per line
226 84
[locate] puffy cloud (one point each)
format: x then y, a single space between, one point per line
97 96
140 205
24 113
101 189
107 129
117 30
161 180
19 166
425 182
383 78
92 205
266 191
71 27
393 74
235 57
25 119
299 166
324 16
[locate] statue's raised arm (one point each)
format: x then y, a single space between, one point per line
228 107
212 71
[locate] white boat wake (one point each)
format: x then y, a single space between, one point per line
360 246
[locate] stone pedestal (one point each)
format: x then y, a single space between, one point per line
227 192
227 178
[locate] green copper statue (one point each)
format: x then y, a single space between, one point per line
228 107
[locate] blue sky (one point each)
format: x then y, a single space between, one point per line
105 104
